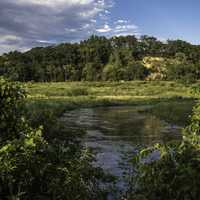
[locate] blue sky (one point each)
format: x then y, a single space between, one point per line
162 18
28 23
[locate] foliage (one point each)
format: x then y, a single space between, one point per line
172 111
135 71
33 166
33 169
92 72
100 58
11 121
186 72
171 171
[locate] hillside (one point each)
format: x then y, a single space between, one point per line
100 58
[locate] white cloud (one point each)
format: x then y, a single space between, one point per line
107 12
106 28
46 42
121 21
6 38
34 21
55 3
93 20
125 27
119 28
29 23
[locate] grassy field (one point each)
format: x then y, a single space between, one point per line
59 97
119 91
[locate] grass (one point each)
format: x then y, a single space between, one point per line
136 88
142 89
108 92
174 112
57 98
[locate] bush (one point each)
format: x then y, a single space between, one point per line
184 72
32 167
168 172
11 121
77 91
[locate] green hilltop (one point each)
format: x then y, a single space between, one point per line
108 59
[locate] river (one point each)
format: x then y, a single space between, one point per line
116 133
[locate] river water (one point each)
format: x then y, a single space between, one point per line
116 133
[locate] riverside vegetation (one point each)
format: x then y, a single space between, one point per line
37 165
55 165
171 171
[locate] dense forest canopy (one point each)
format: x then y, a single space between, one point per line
101 58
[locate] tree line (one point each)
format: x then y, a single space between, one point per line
109 59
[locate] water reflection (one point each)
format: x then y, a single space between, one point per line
116 132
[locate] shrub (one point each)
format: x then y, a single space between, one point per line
168 172
77 91
11 121
32 167
184 72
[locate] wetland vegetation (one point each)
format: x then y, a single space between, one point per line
89 136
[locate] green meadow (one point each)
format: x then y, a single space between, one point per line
63 96
108 90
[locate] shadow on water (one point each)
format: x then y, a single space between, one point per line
116 133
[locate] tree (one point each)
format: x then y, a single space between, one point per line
114 70
135 71
80 61
92 72
185 72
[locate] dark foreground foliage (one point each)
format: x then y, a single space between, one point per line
35 167
169 172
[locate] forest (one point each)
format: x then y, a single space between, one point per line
109 59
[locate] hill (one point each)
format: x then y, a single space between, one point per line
100 58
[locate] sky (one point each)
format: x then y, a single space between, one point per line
30 23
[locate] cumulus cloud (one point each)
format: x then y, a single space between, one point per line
106 28
28 23
121 21
119 28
